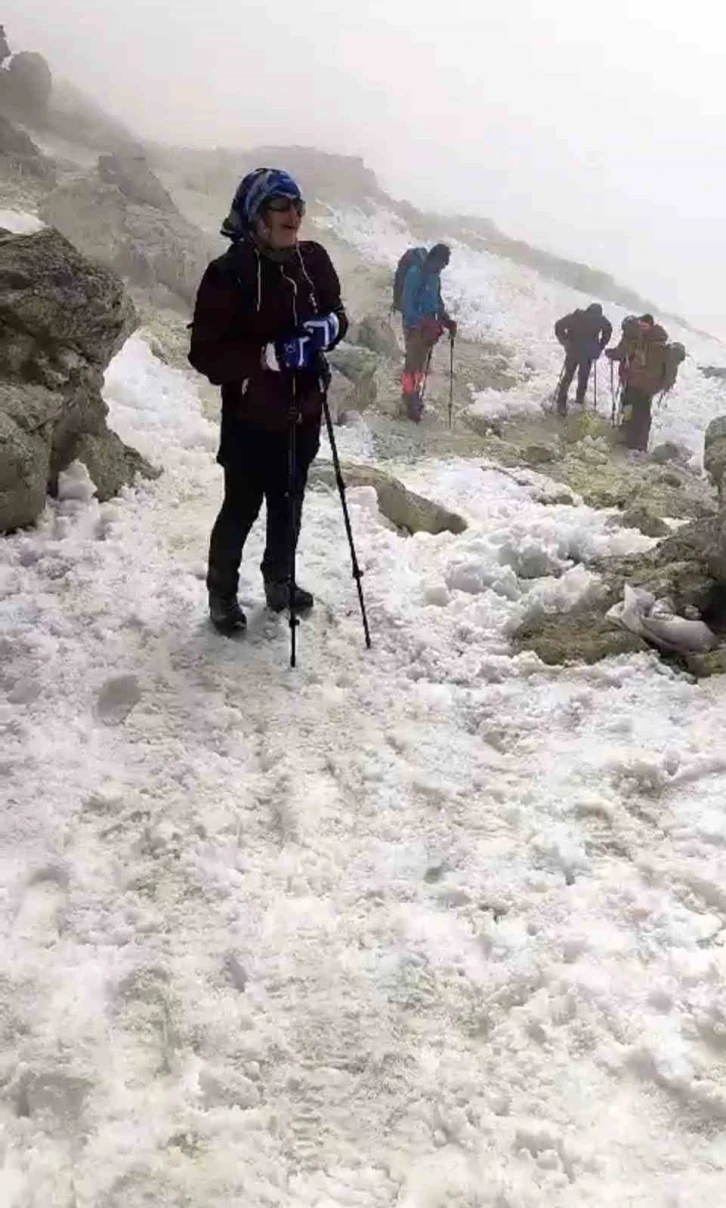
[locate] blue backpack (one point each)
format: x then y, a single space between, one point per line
414 255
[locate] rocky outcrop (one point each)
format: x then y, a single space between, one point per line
130 173
62 318
150 247
407 510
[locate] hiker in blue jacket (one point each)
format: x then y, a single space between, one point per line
424 319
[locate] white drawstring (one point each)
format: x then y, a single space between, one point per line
313 296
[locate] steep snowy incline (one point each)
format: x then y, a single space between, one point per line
495 299
425 927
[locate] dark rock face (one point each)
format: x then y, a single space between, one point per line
62 318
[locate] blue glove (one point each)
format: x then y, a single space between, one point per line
322 331
295 352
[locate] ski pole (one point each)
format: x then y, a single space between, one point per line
451 380
357 572
292 523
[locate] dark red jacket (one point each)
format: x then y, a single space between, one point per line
247 300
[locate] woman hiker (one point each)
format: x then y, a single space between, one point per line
266 312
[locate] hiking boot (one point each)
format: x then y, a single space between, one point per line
277 594
413 406
226 614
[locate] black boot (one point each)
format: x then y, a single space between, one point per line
277 594
413 407
226 614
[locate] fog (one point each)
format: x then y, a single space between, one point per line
595 131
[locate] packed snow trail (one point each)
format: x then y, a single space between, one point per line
428 926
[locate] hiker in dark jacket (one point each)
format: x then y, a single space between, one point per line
424 319
643 357
583 335
266 312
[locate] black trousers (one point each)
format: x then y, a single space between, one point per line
637 417
583 368
256 467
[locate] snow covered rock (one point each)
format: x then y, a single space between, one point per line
62 318
76 483
402 507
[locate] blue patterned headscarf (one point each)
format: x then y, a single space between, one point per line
253 191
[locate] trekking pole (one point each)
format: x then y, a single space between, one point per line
451 380
594 385
357 572
554 397
613 396
292 524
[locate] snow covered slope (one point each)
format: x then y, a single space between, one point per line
495 299
425 927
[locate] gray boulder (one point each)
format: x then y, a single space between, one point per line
359 366
378 336
62 318
670 451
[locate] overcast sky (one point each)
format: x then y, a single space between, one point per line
597 130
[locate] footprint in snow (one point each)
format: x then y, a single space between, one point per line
116 698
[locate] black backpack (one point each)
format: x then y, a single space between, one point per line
414 255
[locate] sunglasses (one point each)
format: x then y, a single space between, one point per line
280 205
